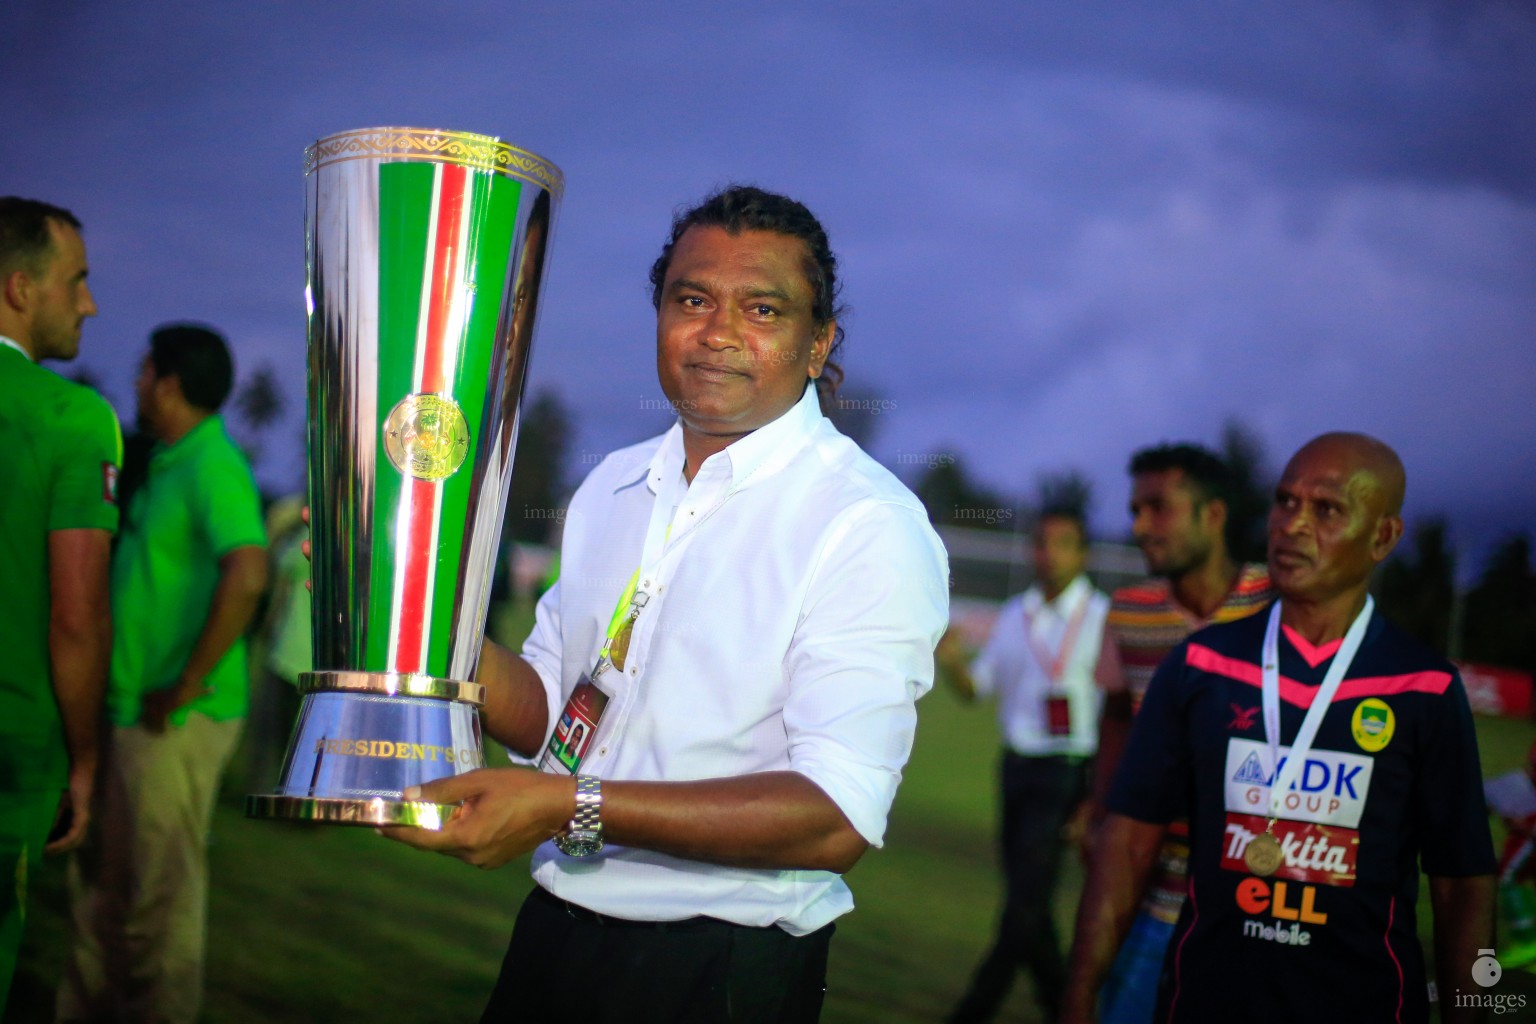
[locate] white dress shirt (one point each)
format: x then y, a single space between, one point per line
1010 667
790 625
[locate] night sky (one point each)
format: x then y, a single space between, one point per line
1067 229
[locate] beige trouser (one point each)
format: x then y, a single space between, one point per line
139 889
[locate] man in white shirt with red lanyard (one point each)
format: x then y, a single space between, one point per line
1039 663
745 618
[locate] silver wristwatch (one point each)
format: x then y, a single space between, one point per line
584 835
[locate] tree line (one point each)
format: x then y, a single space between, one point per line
1492 622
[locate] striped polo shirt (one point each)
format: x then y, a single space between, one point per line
1147 622
1144 624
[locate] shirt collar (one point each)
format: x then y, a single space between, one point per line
760 453
1064 602
13 343
191 440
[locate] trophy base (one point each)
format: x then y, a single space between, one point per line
363 738
335 811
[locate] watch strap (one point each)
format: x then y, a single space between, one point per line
583 836
589 805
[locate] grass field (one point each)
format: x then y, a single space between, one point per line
326 923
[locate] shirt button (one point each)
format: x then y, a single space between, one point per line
602 751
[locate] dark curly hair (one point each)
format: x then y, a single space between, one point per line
199 357
738 208
1208 476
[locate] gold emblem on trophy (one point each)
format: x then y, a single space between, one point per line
426 437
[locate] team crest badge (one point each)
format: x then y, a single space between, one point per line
1373 724
426 437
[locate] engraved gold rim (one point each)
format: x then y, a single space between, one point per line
467 149
373 812
394 684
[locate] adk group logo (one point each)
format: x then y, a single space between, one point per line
1486 972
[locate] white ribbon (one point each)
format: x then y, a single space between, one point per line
1283 777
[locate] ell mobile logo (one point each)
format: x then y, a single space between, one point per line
1487 971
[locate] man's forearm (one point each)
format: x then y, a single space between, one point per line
954 665
1123 855
516 711
242 578
778 820
1463 913
772 820
80 658
79 637
775 820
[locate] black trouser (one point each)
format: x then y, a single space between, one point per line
566 963
1039 795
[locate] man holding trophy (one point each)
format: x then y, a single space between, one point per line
722 684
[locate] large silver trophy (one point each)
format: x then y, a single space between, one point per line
425 254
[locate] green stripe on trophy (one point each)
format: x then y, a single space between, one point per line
493 217
405 215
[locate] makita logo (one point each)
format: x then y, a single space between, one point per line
1312 853
1330 789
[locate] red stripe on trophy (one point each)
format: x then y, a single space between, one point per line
444 272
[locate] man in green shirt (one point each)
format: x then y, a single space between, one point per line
186 579
60 451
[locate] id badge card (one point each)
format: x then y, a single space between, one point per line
1058 715
573 734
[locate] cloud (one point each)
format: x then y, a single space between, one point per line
1067 228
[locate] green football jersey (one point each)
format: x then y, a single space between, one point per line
60 452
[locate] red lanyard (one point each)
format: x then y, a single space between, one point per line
1057 665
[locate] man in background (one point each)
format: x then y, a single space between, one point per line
186 580
281 645
1039 664
1180 496
60 451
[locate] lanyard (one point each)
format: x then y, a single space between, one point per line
1054 667
577 724
1284 776
621 623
